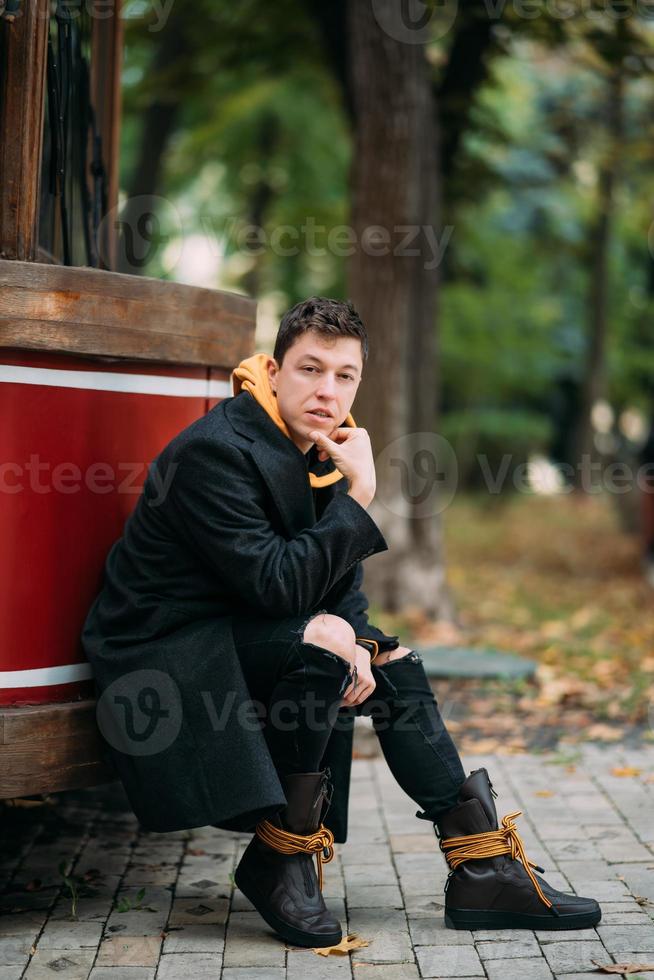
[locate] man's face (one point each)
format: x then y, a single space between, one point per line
317 373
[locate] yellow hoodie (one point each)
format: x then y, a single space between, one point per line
252 375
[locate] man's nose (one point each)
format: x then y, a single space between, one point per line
327 386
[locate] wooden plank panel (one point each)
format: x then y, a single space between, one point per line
51 780
91 311
22 100
105 95
49 748
36 722
31 758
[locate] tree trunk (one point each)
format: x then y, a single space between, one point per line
267 136
594 381
395 187
159 122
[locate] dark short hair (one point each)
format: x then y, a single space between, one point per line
326 317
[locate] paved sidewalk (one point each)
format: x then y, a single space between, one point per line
591 829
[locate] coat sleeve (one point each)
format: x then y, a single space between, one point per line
218 504
352 607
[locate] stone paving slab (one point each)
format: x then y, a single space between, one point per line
163 906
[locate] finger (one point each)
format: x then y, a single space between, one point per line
354 683
342 434
323 454
363 690
351 694
320 438
364 695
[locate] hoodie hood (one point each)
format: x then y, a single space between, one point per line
252 375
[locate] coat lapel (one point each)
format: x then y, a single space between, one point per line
282 465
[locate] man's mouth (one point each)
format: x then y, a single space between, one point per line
317 415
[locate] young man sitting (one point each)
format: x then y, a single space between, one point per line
240 589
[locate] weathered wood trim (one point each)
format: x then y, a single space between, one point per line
35 722
50 748
99 313
106 56
22 101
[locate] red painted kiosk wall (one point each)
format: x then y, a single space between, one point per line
76 438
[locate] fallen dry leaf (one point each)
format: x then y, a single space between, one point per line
346 945
625 771
642 900
196 851
604 733
543 792
622 967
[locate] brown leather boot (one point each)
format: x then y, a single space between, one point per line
498 892
283 887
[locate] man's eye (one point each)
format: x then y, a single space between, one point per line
348 377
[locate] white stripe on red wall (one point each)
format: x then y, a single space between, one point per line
138 384
45 676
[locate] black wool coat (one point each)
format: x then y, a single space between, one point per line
227 523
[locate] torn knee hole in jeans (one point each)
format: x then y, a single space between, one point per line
301 629
328 653
314 646
347 669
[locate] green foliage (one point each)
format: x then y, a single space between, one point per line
72 883
261 137
517 275
485 440
124 904
260 120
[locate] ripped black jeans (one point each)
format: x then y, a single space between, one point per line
298 687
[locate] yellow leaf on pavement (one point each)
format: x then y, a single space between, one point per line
622 967
625 771
346 945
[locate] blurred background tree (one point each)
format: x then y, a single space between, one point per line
522 139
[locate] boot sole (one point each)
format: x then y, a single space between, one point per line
292 935
497 919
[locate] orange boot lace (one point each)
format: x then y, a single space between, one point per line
319 843
493 843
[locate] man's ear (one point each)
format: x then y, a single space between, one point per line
272 373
